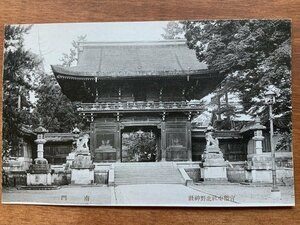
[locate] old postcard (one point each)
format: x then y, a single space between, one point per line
164 113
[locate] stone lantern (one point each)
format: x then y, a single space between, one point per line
40 141
39 172
259 162
258 136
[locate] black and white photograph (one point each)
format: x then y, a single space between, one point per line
164 113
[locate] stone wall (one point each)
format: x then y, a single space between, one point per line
14 178
14 171
285 176
101 173
236 175
194 173
61 178
101 177
192 169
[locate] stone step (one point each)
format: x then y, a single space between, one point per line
144 175
148 178
149 181
147 173
142 167
139 182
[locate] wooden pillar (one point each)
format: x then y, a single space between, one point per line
189 140
160 94
96 91
93 141
119 142
120 94
219 107
183 94
163 141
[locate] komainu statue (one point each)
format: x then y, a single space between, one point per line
213 165
211 140
82 143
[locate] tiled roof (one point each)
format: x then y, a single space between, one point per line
134 59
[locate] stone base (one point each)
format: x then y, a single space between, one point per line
82 176
39 187
259 176
260 161
259 168
82 162
217 173
38 179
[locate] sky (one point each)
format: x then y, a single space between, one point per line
55 39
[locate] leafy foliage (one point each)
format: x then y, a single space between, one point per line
70 58
141 147
58 113
172 31
19 68
23 77
251 53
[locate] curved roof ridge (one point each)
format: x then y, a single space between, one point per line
127 43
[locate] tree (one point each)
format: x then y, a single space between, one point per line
18 72
57 112
140 146
173 30
252 54
70 58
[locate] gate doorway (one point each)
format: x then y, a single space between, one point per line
140 144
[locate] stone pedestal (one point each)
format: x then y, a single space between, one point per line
213 167
39 173
82 169
259 168
217 173
82 176
38 179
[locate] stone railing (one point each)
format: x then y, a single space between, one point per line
139 106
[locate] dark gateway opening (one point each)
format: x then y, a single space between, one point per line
140 144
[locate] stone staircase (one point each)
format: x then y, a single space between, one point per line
147 173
